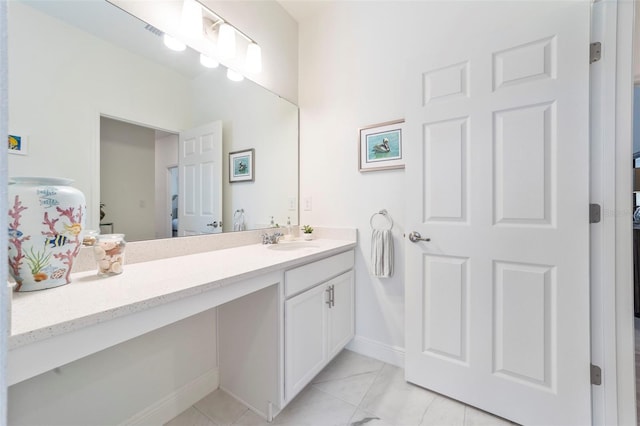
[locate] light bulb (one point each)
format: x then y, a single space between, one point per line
227 41
191 19
208 61
254 58
234 75
174 43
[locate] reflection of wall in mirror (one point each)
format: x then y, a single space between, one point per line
127 177
270 126
93 77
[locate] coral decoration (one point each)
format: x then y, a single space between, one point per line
68 256
16 261
51 224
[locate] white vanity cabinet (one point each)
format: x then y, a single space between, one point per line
318 318
274 330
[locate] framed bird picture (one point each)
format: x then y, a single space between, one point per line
17 145
380 146
241 166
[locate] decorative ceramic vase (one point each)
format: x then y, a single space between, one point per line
46 223
307 236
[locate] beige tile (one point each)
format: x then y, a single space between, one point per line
312 407
444 411
396 401
346 364
221 407
351 389
249 418
362 418
475 417
190 417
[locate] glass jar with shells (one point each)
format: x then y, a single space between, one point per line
109 254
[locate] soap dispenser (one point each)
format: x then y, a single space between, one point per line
289 236
272 223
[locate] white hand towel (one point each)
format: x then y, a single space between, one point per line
381 253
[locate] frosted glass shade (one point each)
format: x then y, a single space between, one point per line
227 41
254 58
208 61
191 19
234 75
173 43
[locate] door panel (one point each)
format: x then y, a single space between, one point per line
497 303
341 314
305 338
446 302
200 180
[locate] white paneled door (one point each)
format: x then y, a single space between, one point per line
200 180
498 169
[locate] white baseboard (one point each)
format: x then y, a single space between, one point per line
178 401
393 355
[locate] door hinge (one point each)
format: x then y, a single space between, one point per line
596 375
594 213
595 52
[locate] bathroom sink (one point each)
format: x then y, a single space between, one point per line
292 245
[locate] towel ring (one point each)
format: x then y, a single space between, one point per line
384 213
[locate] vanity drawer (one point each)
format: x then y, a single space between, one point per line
306 276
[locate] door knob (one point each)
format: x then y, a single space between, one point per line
414 237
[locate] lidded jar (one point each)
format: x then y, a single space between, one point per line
109 254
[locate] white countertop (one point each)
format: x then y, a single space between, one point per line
90 300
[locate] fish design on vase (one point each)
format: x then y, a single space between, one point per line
382 147
15 233
48 202
73 229
56 241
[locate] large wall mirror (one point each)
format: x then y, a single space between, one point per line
100 100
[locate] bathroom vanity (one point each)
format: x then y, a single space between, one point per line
283 312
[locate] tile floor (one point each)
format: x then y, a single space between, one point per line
352 390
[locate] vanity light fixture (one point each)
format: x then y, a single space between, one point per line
254 58
208 61
227 41
173 43
234 75
191 22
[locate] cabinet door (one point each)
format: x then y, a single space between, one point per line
341 314
305 338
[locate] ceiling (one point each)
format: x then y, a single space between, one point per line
302 9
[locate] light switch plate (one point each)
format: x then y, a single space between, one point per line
307 204
292 203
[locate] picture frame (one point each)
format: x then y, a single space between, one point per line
241 166
380 146
17 145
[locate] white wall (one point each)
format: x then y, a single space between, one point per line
62 119
4 291
351 77
266 124
113 385
127 178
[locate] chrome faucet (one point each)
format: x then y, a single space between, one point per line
271 239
